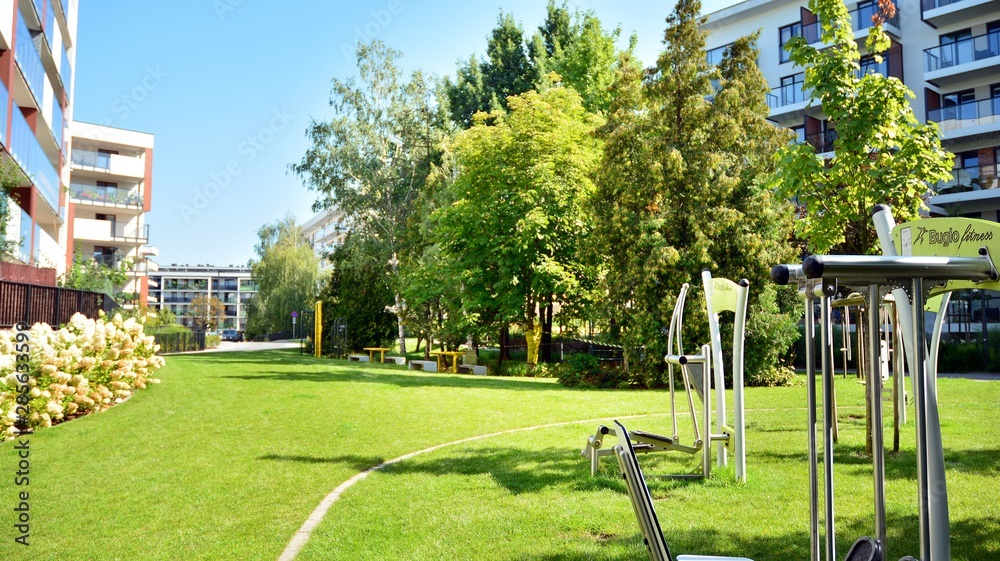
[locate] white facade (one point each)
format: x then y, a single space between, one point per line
326 231
110 192
948 53
174 287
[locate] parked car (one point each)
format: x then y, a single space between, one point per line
232 335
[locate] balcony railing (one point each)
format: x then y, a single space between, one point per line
822 142
962 52
24 247
91 159
65 71
131 233
49 21
788 94
973 178
933 4
861 17
58 124
967 114
112 261
28 59
813 32
28 153
104 195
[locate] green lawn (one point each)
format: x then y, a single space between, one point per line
228 456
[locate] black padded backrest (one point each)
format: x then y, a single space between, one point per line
642 501
865 549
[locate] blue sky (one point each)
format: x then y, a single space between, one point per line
228 88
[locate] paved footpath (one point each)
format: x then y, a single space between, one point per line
229 346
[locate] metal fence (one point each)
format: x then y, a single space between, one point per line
53 305
181 342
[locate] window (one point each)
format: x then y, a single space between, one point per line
800 133
956 48
785 35
967 171
868 65
958 105
791 90
714 57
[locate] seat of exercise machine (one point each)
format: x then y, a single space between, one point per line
641 435
642 504
865 549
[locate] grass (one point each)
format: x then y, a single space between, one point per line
228 456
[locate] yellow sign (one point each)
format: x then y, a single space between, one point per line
949 237
724 293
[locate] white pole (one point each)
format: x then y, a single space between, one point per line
720 377
739 419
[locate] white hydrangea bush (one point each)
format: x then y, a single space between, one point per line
85 367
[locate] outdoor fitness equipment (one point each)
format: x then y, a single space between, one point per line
948 253
720 295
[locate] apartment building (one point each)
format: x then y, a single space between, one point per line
326 231
174 287
110 192
37 56
946 51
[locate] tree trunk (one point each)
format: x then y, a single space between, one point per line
399 324
532 336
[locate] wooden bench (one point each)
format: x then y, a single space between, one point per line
425 365
358 358
472 369
400 360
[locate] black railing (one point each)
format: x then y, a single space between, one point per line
822 142
53 305
182 342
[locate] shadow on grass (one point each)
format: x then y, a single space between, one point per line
395 378
901 465
357 463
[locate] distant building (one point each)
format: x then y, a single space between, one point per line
326 231
172 288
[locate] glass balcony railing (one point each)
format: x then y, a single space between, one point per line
248 287
28 59
788 94
962 52
91 159
50 22
130 233
973 178
58 124
4 96
65 72
111 261
932 4
105 195
861 16
813 32
29 155
968 114
822 142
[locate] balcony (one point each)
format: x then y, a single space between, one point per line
28 153
24 231
822 142
964 180
109 232
788 101
968 119
29 60
941 13
861 19
962 61
114 164
66 73
109 196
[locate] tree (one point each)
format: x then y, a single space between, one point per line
10 179
371 159
358 291
205 312
881 155
87 274
484 86
286 271
681 188
520 211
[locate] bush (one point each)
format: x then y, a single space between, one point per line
86 366
212 340
584 370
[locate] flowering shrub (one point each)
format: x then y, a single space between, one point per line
86 366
